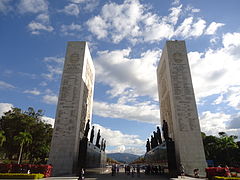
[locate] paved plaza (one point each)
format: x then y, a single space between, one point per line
121 176
107 175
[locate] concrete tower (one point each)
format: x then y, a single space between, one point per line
74 108
178 106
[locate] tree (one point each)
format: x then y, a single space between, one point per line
112 161
40 148
222 149
15 121
12 123
24 138
2 138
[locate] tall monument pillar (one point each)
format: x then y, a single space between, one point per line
74 108
178 106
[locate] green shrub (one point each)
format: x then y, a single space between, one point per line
20 176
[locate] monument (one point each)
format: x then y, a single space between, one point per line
178 107
74 109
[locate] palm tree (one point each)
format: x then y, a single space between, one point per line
24 138
2 138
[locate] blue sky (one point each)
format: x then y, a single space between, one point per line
125 39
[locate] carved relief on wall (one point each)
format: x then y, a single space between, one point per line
169 115
74 64
178 57
67 89
166 113
74 58
84 108
89 84
163 87
182 92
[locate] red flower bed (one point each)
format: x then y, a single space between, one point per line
5 168
23 168
220 171
233 169
215 171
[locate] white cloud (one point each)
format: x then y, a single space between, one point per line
233 97
190 9
4 6
219 100
175 13
50 99
120 20
120 72
143 112
4 85
235 123
33 92
214 40
33 6
158 31
122 142
132 20
135 22
71 30
185 28
54 67
213 27
213 123
91 5
78 1
98 27
88 5
216 69
232 45
71 9
175 2
40 24
48 120
126 149
44 18
198 28
196 10
36 27
190 28
5 107
129 79
58 60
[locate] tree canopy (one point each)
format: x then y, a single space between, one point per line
223 150
16 123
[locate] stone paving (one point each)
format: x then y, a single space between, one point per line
122 176
107 176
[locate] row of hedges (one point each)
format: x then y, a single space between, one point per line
24 168
20 176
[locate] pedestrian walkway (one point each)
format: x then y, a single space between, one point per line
122 176
188 178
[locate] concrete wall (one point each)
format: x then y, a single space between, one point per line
74 108
178 106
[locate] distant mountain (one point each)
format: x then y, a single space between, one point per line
123 157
